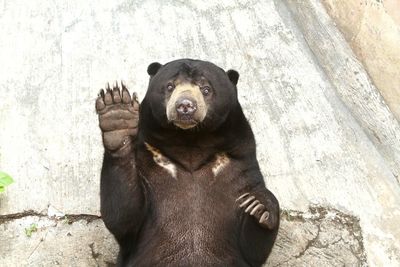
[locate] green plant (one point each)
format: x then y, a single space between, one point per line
66 220
5 180
31 229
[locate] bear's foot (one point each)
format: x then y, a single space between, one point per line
118 117
256 209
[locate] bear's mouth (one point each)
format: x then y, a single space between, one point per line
185 122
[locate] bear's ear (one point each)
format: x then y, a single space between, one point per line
233 76
153 68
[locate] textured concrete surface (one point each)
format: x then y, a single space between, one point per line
325 135
373 30
56 242
319 237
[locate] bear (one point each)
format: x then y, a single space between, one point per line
180 181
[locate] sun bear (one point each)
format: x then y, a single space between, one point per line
180 181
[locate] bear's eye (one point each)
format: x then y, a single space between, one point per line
205 90
170 87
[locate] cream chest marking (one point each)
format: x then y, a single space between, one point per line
221 162
162 161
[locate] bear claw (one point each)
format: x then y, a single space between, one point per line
264 217
251 206
247 201
255 209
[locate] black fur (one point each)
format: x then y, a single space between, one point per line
192 220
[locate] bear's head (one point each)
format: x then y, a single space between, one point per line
186 94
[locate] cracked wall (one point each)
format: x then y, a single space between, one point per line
326 137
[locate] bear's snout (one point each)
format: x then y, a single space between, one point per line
185 106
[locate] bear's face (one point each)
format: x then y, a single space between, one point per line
188 93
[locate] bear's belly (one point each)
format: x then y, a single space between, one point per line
192 223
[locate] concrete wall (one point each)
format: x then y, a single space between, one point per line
328 144
372 28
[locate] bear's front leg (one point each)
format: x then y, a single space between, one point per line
122 196
258 210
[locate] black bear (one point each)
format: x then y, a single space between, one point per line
180 182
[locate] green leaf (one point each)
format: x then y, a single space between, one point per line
31 229
5 180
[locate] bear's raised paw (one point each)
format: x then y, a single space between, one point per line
118 116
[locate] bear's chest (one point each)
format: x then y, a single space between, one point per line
194 167
199 187
193 209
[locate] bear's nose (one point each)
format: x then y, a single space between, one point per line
185 106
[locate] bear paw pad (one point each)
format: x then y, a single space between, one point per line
118 116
